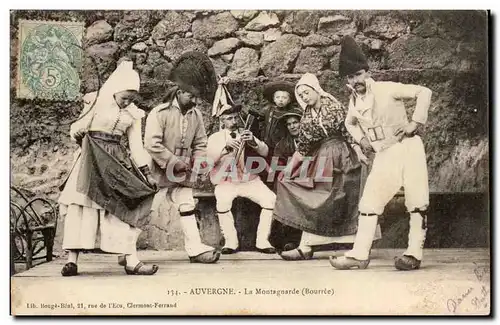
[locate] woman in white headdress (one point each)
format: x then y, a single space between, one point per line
320 196
108 194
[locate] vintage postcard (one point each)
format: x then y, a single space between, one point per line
250 162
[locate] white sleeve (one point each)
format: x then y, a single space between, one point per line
261 148
85 117
215 147
421 93
137 151
352 124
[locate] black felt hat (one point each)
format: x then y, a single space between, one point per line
293 112
351 58
280 85
194 72
236 108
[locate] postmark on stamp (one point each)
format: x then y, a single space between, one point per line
49 60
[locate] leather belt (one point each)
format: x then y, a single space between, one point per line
105 136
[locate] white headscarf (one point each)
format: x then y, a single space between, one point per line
123 78
308 79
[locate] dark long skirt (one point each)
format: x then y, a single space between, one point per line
110 179
319 206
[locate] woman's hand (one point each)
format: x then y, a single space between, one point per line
296 159
152 181
78 135
149 177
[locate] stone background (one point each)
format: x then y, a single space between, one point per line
446 51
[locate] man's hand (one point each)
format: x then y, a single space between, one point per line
408 130
361 156
365 145
233 144
248 137
181 166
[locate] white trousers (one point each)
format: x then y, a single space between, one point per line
254 190
402 165
182 198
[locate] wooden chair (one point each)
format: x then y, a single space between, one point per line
33 224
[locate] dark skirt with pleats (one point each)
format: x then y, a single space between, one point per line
110 178
322 197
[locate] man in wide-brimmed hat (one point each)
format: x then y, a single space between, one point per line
378 121
235 176
286 147
175 136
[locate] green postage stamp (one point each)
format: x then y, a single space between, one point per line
49 59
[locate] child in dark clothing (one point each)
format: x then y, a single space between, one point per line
281 95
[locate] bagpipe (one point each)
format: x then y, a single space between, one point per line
223 101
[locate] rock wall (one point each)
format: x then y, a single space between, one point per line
443 50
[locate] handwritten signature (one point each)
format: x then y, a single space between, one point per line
454 303
478 300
